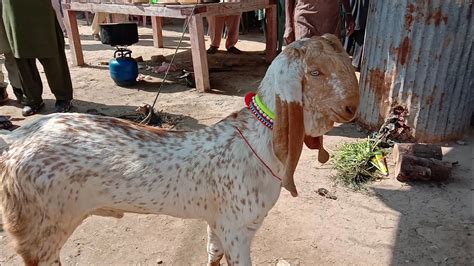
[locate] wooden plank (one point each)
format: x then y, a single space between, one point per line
157 25
74 38
198 50
272 31
227 10
173 11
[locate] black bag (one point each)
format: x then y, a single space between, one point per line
119 34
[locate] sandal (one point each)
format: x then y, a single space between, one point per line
62 106
234 50
5 122
32 109
3 95
212 50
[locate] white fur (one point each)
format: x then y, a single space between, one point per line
336 84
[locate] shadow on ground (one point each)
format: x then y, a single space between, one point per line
121 111
436 223
229 74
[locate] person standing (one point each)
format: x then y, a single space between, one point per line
355 42
307 18
34 33
10 65
216 27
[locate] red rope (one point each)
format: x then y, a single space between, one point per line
256 155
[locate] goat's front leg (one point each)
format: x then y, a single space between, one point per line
215 250
236 243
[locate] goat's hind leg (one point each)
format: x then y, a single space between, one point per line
44 248
38 239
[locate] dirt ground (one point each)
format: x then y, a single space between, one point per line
391 224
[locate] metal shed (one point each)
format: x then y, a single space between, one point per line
419 54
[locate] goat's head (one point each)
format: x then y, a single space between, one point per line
310 85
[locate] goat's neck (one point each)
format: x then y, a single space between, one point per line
259 137
266 91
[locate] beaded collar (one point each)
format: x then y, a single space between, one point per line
259 109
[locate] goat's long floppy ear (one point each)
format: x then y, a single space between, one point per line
288 135
334 42
317 143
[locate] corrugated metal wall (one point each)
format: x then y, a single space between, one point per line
419 54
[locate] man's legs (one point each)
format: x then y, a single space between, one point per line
13 73
59 78
31 84
280 23
119 18
233 23
215 29
14 77
99 17
358 37
3 88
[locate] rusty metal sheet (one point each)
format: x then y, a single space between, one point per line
419 54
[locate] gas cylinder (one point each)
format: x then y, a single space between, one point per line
123 68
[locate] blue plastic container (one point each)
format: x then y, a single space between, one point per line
123 68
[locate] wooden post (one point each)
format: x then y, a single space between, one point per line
74 37
144 21
198 50
272 31
156 24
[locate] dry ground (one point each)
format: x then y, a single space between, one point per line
391 224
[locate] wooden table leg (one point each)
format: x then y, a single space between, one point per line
157 25
74 37
198 50
144 21
271 44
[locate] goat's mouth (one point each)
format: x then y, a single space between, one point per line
342 117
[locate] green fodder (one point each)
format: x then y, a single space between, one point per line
352 163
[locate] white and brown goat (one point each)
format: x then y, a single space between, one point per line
62 168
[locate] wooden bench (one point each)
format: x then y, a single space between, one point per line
159 11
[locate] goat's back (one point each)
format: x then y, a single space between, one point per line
82 162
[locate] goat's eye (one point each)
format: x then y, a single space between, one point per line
314 73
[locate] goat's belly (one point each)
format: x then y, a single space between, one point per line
110 195
153 204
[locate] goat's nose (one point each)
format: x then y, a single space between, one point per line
351 110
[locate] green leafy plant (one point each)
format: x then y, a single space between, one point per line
353 163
